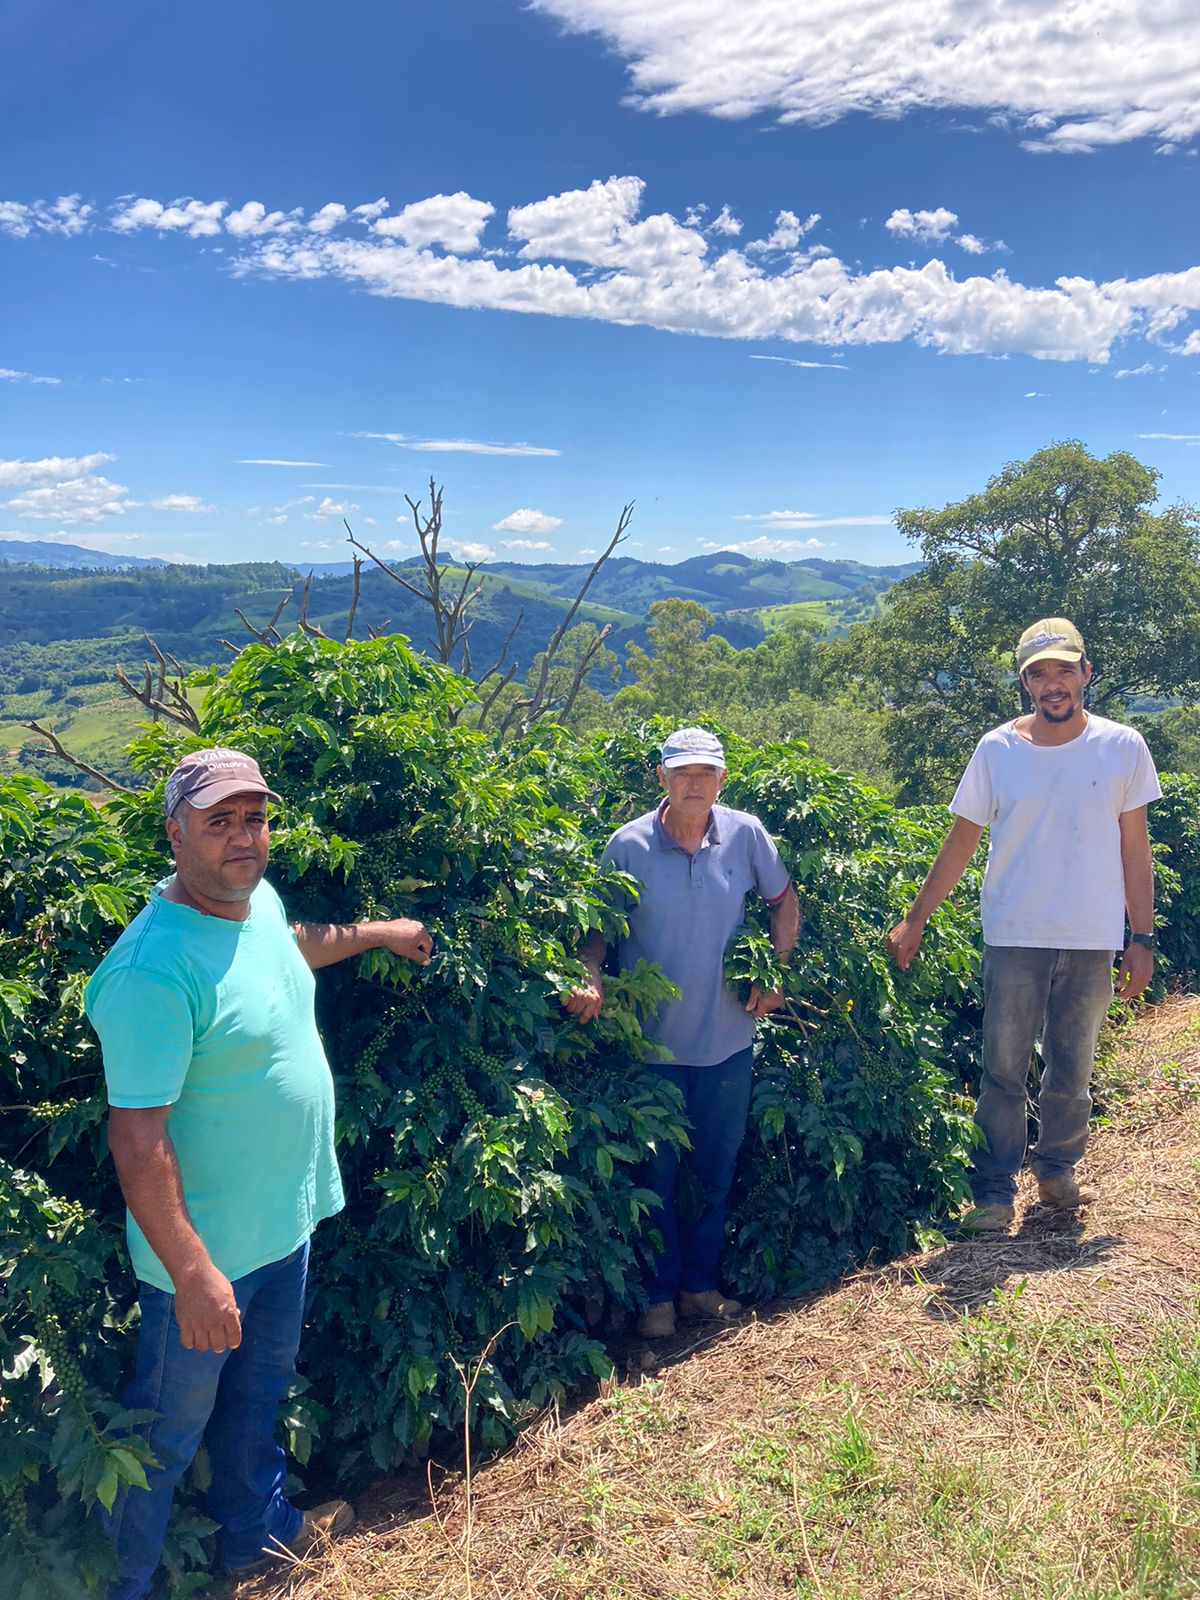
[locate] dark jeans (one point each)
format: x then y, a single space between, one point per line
717 1099
230 1400
1063 996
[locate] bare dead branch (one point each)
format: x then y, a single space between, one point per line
235 648
581 671
74 761
349 633
176 709
621 532
263 635
499 661
501 684
311 628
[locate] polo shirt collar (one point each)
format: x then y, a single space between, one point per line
712 834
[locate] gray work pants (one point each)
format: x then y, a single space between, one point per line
1063 996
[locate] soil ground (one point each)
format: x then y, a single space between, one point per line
996 1418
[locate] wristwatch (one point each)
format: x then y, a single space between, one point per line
1146 940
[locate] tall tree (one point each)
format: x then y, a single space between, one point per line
1062 534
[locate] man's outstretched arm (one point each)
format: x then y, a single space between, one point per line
1137 864
323 943
952 859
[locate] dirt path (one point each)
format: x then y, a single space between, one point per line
996 1418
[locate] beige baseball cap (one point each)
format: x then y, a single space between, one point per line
207 776
1051 639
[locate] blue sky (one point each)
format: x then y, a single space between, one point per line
771 270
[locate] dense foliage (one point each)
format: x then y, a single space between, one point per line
489 1144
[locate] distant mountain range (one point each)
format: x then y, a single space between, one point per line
48 554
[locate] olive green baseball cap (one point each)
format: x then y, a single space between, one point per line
1051 639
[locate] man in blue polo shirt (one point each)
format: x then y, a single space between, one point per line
695 861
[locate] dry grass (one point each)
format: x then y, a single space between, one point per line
994 1419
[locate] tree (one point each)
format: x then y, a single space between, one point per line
1062 534
671 678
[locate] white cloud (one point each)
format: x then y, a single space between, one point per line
787 233
373 209
589 552
659 273
1174 438
526 520
316 544
276 521
196 218
66 215
926 225
470 446
1073 74
83 499
765 548
328 508
191 503
810 519
452 220
1144 371
10 375
969 243
267 461
1035 394
527 544
789 361
665 550
253 219
469 550
725 223
50 469
327 218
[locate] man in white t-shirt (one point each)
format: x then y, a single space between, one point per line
1064 793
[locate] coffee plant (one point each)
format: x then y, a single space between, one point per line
490 1145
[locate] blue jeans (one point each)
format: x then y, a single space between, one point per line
231 1401
1062 995
717 1099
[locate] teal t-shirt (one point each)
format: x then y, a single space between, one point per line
215 1019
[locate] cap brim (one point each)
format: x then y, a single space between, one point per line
1074 656
693 758
212 794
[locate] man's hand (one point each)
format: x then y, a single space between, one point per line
587 1001
1135 972
206 1311
404 937
904 941
762 1001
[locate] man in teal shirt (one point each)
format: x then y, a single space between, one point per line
221 1128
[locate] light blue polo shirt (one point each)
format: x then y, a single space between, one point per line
215 1019
689 911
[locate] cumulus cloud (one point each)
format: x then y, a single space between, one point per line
253 219
327 218
659 272
66 215
195 218
926 225
787 233
526 520
475 447
190 503
527 544
83 499
49 469
1070 75
726 223
969 243
327 508
10 375
452 220
469 550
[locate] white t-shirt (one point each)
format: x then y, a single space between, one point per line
1054 877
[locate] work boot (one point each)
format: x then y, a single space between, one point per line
1064 1193
657 1322
990 1216
710 1303
321 1525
